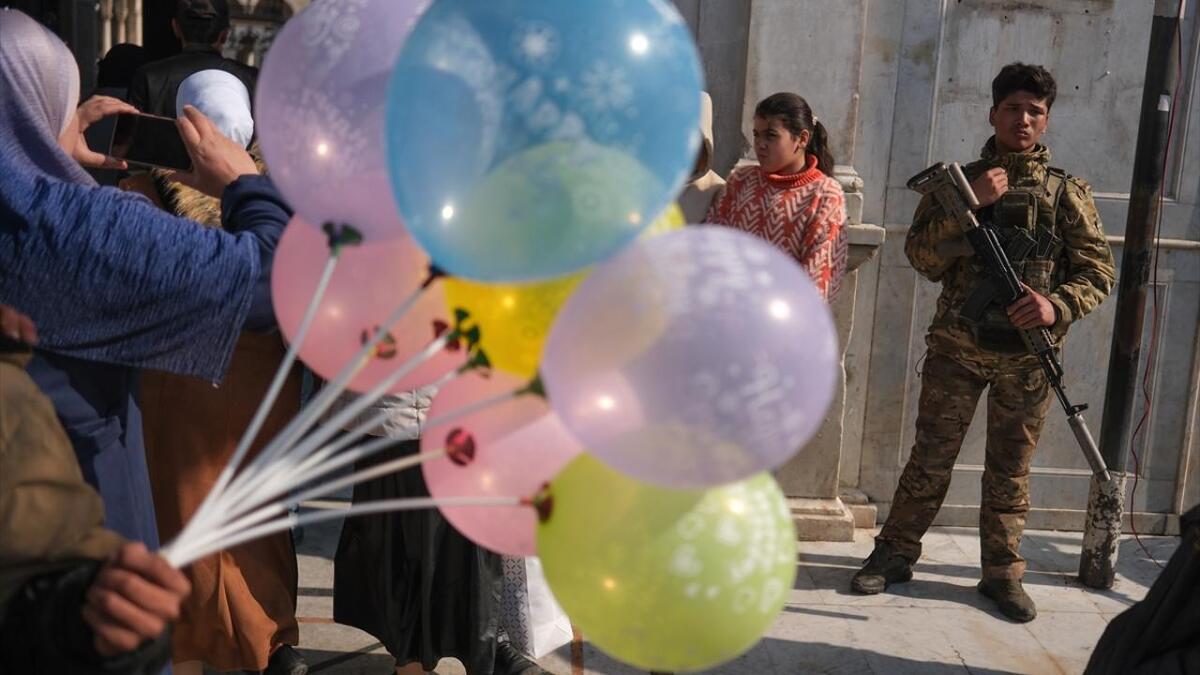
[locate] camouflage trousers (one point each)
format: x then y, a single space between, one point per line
1018 398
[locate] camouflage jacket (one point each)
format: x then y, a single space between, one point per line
1072 263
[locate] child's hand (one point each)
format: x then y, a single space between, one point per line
16 326
132 600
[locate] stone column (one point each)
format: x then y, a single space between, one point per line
133 22
810 480
106 17
120 13
815 48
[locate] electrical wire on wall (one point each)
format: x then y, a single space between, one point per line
1152 352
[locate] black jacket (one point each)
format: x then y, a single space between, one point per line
1161 634
42 631
156 84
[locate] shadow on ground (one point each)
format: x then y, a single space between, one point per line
789 657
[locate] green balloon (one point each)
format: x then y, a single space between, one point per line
667 579
554 208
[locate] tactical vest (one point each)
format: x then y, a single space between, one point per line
1025 219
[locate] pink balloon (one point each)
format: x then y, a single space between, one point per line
321 99
510 449
371 280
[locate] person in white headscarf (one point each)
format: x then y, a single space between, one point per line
241 614
223 98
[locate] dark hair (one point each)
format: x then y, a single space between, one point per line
797 116
202 21
118 65
1023 77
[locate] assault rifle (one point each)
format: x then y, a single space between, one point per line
950 187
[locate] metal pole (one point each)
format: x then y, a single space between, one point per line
1106 501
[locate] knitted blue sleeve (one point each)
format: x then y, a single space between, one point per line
109 277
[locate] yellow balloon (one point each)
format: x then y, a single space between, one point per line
514 319
670 220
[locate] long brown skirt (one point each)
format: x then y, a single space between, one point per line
243 601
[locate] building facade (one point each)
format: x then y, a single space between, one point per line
902 85
91 27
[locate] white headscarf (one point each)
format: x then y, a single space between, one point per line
223 98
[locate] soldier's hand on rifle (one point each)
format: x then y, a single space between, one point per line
1032 311
990 186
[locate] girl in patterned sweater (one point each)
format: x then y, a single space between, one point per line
790 199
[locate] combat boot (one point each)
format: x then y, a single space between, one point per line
1010 597
884 566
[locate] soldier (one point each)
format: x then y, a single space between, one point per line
1049 224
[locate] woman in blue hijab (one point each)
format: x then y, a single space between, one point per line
113 283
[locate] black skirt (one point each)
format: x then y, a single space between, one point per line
412 581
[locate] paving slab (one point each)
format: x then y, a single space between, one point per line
936 624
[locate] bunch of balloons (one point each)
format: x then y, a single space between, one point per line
484 196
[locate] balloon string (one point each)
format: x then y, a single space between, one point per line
180 558
302 465
282 506
319 405
468 410
315 464
331 458
323 461
318 464
281 374
285 461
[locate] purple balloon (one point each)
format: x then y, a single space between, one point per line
692 359
320 105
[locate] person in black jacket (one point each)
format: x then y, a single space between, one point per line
1160 634
202 26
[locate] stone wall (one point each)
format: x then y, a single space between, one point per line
902 85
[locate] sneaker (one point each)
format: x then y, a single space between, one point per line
286 661
884 566
1010 597
510 661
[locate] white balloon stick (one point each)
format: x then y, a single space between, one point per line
299 520
286 460
282 506
264 408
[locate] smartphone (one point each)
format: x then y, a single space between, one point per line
149 140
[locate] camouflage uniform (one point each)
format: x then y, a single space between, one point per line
1065 257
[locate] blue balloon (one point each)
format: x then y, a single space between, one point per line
527 139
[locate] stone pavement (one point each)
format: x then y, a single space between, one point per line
937 623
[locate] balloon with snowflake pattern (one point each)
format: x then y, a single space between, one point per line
528 139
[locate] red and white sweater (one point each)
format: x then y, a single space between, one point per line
803 215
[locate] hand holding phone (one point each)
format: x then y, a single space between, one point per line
91 111
149 140
218 161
